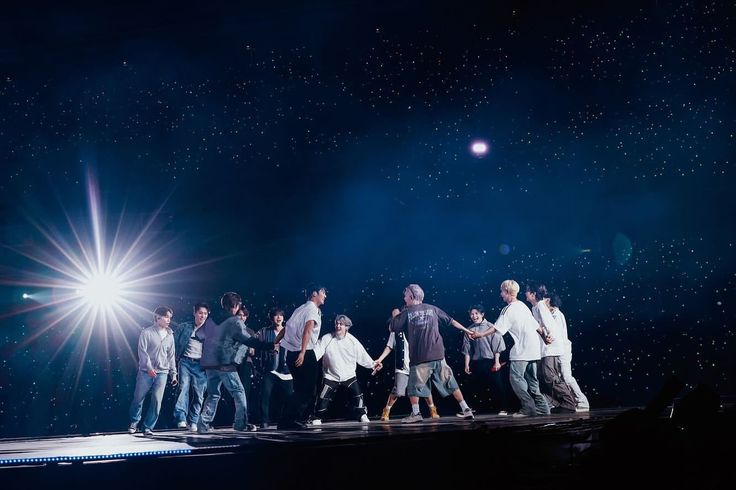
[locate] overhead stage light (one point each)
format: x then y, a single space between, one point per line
102 290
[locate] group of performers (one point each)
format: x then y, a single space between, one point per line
525 356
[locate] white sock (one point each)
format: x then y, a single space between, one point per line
415 409
463 406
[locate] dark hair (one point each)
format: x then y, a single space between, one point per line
230 300
244 311
480 309
555 300
539 290
161 311
201 304
312 288
275 311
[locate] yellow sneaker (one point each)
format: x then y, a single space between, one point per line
433 412
384 414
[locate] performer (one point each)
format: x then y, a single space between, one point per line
582 404
300 339
277 380
485 354
401 371
219 354
342 353
192 376
421 324
516 319
551 382
156 361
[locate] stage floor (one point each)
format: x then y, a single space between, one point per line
117 446
602 448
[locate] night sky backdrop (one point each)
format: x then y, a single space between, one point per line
256 148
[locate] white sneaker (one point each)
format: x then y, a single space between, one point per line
503 413
364 419
132 428
315 422
182 425
411 419
582 409
466 414
193 428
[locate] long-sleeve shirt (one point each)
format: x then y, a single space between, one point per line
552 328
223 342
341 355
156 353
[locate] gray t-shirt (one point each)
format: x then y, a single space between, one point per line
421 323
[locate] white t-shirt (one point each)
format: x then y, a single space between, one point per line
341 356
292 340
391 344
516 319
544 317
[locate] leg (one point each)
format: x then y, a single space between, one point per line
359 410
325 397
561 392
182 401
520 387
143 384
157 394
540 403
232 383
567 377
266 388
213 397
199 382
305 381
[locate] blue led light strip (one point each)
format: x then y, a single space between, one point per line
94 457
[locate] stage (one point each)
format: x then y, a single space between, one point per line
527 452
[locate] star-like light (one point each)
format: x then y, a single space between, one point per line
479 148
91 283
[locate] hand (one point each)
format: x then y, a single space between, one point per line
152 373
548 339
174 381
467 369
470 335
377 366
496 367
299 360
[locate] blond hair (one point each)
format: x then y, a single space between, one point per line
511 287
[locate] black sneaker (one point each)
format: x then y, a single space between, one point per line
558 410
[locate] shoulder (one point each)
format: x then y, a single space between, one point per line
183 326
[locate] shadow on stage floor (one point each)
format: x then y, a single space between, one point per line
601 448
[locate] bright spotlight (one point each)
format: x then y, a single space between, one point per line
102 290
479 148
26 295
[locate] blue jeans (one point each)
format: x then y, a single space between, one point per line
524 382
143 385
231 380
191 375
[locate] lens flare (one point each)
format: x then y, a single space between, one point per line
94 285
